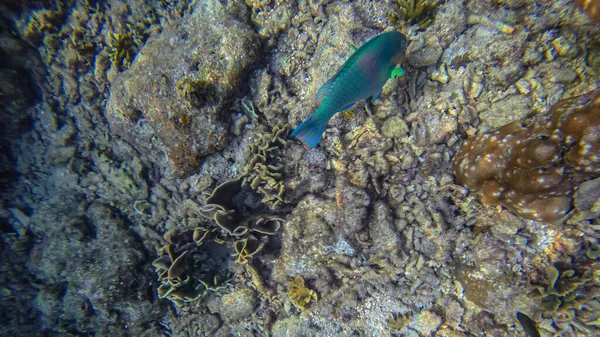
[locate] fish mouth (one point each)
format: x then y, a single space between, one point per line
396 59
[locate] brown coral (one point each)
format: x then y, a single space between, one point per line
531 167
591 7
299 294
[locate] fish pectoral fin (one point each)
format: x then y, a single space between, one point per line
376 96
397 72
347 107
323 90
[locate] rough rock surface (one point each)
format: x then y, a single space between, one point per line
175 97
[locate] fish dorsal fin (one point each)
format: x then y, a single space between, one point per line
357 53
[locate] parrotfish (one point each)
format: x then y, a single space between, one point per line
362 76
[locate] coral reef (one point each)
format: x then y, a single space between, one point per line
417 12
176 94
190 265
531 167
299 294
569 300
179 162
196 260
120 49
263 174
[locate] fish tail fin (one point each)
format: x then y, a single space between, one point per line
311 130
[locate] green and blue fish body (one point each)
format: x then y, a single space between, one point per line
362 76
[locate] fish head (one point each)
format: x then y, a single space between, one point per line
396 43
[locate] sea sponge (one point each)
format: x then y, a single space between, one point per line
532 166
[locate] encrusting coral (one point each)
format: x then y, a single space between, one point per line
532 166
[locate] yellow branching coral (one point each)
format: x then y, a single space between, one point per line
419 12
299 294
120 49
398 322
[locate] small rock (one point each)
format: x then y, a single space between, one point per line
181 85
394 127
382 227
563 75
238 304
426 322
424 52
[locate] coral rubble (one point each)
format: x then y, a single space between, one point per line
532 166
